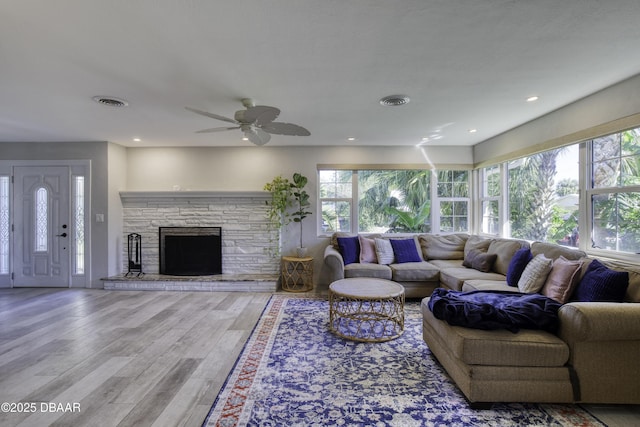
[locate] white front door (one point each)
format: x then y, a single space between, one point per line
41 226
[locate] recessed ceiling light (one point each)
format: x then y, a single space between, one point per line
351 138
532 98
137 139
110 101
244 138
394 100
473 130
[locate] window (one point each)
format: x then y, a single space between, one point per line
42 220
336 189
4 224
615 192
453 200
78 224
543 196
394 200
490 192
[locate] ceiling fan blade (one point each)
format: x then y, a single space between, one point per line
218 129
281 128
211 115
259 115
257 135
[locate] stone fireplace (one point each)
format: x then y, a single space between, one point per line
240 215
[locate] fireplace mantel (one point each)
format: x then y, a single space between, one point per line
141 196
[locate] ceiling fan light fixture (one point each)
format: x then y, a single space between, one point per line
394 100
110 101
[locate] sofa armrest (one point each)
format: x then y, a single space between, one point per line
599 321
333 259
603 340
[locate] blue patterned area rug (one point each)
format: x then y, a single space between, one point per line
294 372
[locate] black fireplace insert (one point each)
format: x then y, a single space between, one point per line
190 251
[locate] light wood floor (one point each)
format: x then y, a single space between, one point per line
131 358
128 358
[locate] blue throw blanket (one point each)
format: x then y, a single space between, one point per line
495 310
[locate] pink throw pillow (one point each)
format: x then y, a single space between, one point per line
562 280
367 250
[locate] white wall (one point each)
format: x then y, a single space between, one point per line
117 176
250 167
585 118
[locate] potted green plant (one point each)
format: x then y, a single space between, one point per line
301 204
280 189
285 196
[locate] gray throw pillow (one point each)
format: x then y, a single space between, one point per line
384 251
479 260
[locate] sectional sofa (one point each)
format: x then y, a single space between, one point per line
592 357
441 262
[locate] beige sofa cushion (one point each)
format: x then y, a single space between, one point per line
446 263
450 246
553 251
476 242
415 272
504 249
377 271
453 278
486 285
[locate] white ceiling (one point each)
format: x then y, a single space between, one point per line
325 63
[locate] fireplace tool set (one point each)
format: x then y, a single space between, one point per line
134 251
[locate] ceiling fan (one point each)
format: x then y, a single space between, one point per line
257 122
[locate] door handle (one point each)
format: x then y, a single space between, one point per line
61 235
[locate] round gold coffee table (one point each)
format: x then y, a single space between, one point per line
368 310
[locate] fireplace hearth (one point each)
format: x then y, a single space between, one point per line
190 251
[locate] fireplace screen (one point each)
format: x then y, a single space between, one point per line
190 251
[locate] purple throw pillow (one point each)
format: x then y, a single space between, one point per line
405 250
517 265
600 283
350 249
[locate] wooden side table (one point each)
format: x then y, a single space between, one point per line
297 274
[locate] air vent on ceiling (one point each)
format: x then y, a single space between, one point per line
394 100
110 101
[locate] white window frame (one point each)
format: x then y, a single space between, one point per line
350 200
435 201
588 191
